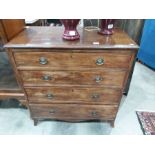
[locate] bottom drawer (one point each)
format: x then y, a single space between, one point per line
73 111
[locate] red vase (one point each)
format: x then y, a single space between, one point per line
106 26
70 32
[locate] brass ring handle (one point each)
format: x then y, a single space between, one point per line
46 78
94 113
50 96
100 61
95 96
98 79
43 60
52 111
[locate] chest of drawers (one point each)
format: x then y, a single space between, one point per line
72 81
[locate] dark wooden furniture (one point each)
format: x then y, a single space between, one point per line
9 87
72 81
11 27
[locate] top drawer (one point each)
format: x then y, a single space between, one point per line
71 60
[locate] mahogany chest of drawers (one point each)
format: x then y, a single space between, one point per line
72 80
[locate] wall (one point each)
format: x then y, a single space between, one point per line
133 27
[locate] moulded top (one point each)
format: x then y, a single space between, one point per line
51 37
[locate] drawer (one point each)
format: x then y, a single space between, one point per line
51 78
67 61
70 94
73 111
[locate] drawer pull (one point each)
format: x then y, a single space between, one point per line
95 96
100 61
43 61
94 113
46 77
98 79
52 111
50 96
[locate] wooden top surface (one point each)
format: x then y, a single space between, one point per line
51 37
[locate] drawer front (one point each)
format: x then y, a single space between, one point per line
70 94
50 78
66 61
73 111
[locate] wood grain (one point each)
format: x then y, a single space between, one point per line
12 27
63 60
51 37
98 78
17 94
76 94
73 111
